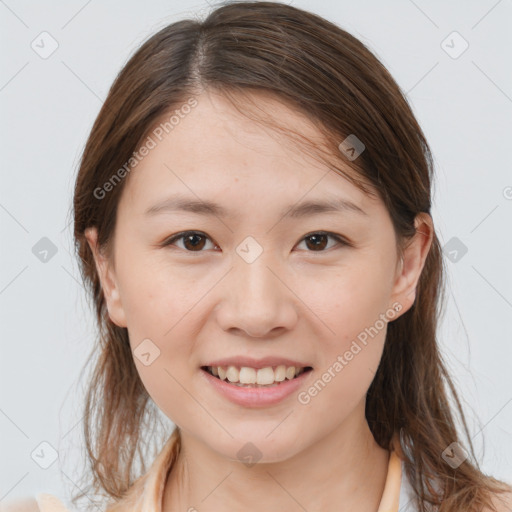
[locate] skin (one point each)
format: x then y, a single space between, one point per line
292 301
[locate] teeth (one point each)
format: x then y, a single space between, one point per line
266 375
233 374
262 376
248 375
280 373
290 372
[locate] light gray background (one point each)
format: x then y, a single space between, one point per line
48 106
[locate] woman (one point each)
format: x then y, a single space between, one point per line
253 220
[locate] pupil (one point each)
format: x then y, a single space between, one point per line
192 236
316 237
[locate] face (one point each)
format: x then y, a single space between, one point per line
253 284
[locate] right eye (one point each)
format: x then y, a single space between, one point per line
193 241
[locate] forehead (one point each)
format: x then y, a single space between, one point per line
215 150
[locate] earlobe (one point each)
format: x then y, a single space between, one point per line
413 260
107 278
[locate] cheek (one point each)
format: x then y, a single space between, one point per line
156 298
342 380
351 304
355 309
159 308
165 361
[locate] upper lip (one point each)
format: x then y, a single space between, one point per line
251 362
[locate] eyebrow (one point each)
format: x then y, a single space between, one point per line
203 207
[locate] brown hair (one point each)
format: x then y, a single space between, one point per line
332 78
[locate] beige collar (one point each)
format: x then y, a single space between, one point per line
155 484
147 492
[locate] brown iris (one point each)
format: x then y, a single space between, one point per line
320 241
194 240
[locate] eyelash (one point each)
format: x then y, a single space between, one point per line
169 241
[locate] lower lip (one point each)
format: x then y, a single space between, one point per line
256 397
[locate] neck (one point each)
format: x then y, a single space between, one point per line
343 471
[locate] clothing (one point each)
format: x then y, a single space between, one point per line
146 493
407 495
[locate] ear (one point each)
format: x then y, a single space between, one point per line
412 263
108 279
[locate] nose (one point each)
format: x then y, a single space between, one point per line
256 301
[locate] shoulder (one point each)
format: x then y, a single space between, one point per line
42 502
502 502
28 504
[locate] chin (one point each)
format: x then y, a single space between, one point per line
258 447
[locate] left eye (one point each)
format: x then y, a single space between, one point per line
319 240
194 241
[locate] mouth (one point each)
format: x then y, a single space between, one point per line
248 377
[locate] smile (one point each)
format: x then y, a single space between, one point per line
251 387
255 377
